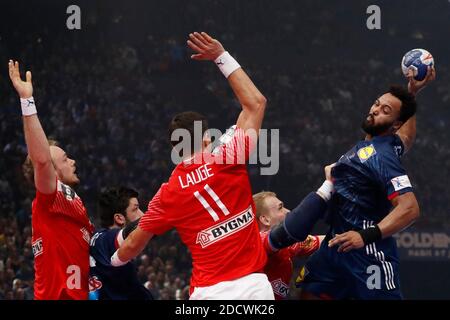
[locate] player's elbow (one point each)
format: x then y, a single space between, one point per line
261 102
415 211
258 103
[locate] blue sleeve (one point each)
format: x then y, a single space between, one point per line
298 223
103 245
388 169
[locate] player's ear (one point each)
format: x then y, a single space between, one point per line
119 219
264 220
397 124
206 140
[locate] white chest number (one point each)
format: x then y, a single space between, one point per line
206 204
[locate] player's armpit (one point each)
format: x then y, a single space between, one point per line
405 212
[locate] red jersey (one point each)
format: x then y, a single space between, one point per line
208 199
279 264
60 242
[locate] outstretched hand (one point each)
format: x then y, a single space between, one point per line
23 88
206 47
414 86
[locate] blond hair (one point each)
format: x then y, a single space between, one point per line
259 198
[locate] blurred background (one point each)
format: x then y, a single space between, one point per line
107 92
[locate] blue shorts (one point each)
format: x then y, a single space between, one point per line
369 273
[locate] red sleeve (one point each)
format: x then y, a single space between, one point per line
45 201
305 248
238 149
155 219
265 241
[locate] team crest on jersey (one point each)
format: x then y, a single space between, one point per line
37 247
308 243
68 192
301 275
94 283
226 228
280 288
365 153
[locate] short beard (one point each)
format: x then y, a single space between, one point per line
375 130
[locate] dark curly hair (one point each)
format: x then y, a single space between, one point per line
112 201
409 104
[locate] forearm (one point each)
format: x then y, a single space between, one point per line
39 153
36 140
130 249
129 228
299 222
398 219
250 98
132 246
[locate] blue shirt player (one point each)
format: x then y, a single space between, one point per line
119 214
373 200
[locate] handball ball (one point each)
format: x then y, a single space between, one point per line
418 61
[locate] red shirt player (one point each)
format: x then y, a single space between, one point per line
61 227
279 266
270 211
208 197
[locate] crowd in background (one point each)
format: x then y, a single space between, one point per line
108 91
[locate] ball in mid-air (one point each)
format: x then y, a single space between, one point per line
418 61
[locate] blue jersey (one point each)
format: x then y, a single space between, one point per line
366 178
112 283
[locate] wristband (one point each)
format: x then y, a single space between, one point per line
371 234
115 261
227 64
326 190
28 106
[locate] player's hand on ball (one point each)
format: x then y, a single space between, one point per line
347 241
414 86
23 88
206 47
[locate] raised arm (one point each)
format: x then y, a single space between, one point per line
35 138
407 131
251 99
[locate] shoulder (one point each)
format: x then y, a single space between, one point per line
390 145
380 149
104 234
